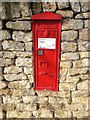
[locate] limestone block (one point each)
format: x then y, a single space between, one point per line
1 76
31 78
11 100
69 56
1 115
25 107
28 70
87 46
24 84
29 99
84 54
67 86
86 23
80 99
4 35
76 71
85 5
85 15
22 36
75 5
65 64
28 46
70 35
67 47
63 5
78 93
24 54
12 77
81 63
12 69
19 25
66 13
84 85
27 62
25 9
6 62
79 114
37 8
74 79
4 91
72 24
62 114
12 114
46 113
83 34
12 45
42 100
84 77
8 107
8 54
2 84
0 25
83 45
50 6
2 11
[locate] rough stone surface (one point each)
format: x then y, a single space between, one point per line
65 14
28 46
63 5
69 56
46 113
83 15
1 114
49 7
62 114
65 64
67 47
86 23
0 25
83 34
82 45
8 54
2 85
85 5
37 7
72 24
4 34
75 5
12 45
83 85
19 25
22 36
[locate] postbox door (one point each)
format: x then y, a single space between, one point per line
46 59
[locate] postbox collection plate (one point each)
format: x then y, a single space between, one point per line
46 46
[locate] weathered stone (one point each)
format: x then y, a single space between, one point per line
11 100
83 15
63 73
81 63
74 71
87 46
1 115
31 78
19 25
2 84
83 34
69 56
66 13
1 70
22 36
8 54
62 114
49 6
63 5
84 77
75 5
79 93
85 5
12 77
80 99
4 92
70 35
67 86
37 7
65 64
19 84
12 45
1 77
2 11
8 107
1 54
12 114
28 46
46 113
86 23
74 79
12 69
27 62
28 70
80 114
82 45
29 99
4 34
24 54
6 62
83 85
26 107
25 9
0 25
72 24
67 47
84 54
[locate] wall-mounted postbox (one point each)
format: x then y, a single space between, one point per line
46 28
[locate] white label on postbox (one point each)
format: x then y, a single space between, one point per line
48 43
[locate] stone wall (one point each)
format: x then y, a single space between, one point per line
17 96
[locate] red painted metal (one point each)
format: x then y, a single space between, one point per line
46 29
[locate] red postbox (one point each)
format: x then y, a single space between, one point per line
46 29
